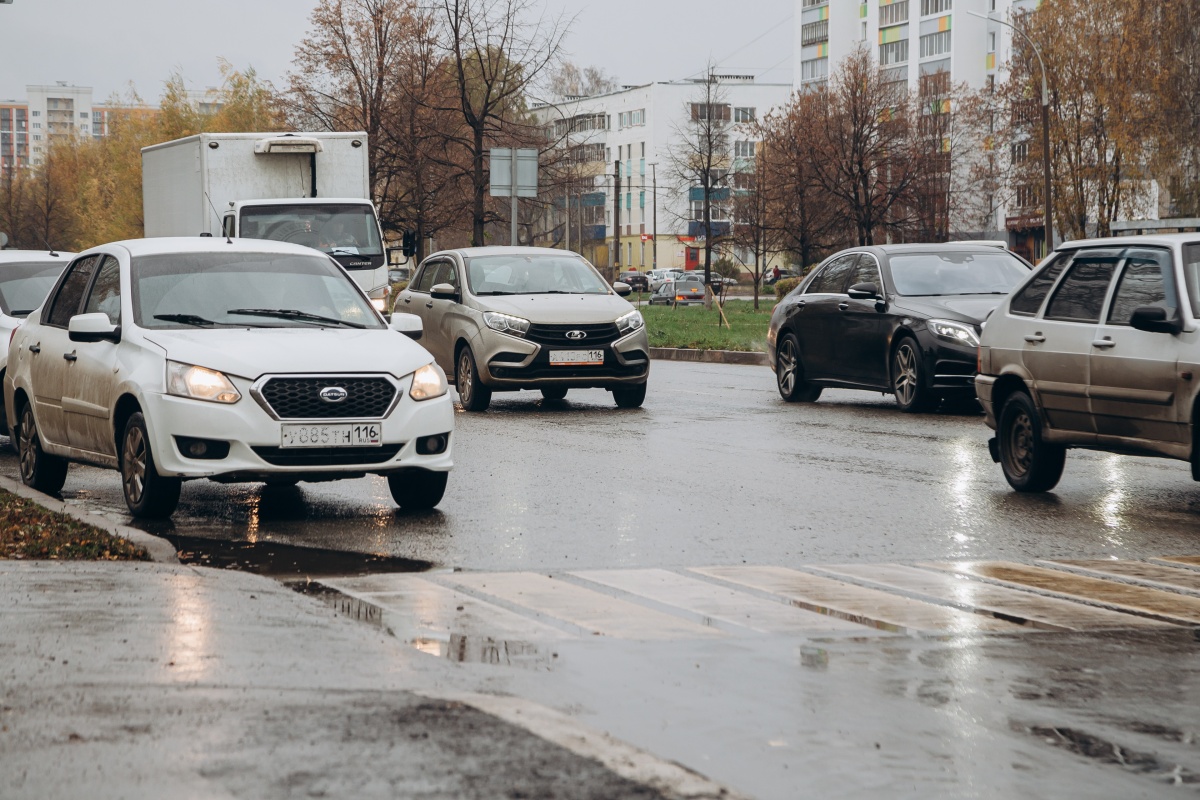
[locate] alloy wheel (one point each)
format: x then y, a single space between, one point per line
787 368
464 381
27 445
133 464
906 374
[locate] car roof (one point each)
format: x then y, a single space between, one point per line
167 245
505 250
1160 239
929 247
25 256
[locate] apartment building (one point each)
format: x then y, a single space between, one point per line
632 134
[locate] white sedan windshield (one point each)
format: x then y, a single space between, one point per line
246 290
533 274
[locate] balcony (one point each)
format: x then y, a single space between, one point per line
719 229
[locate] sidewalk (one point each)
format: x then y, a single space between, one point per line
162 681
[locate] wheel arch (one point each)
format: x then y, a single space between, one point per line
1005 387
899 335
127 405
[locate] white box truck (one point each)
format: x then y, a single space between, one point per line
308 188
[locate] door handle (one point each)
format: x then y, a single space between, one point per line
35 348
1105 342
843 306
407 300
70 356
801 304
429 304
1036 338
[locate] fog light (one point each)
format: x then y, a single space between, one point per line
206 449
433 445
197 449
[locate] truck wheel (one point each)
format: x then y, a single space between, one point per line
1029 464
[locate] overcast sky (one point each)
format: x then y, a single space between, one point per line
107 44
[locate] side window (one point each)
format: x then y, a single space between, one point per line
1029 299
447 273
866 271
227 227
70 292
1080 295
425 280
1143 283
832 279
1191 275
106 291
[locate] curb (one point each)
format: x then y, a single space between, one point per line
159 550
709 356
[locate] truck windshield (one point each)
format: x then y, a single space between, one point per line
23 286
333 228
185 290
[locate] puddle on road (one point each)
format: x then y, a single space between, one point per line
286 562
486 650
1107 752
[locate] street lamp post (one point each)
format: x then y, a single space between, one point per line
654 229
1047 196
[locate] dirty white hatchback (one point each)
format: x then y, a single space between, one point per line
234 360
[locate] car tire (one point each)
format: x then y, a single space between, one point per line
789 373
1029 463
39 469
418 490
908 378
630 396
473 395
147 494
555 393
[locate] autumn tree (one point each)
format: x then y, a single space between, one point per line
570 80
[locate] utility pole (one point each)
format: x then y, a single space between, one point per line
616 260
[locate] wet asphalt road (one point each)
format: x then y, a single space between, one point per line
715 469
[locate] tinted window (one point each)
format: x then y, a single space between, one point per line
832 279
1029 299
1080 296
425 279
106 292
70 292
1142 284
866 271
949 273
23 286
447 273
1191 274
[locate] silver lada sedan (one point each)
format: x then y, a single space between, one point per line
509 318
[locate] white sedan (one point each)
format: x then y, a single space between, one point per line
234 360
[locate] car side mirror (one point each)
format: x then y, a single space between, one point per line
443 291
623 289
93 328
863 291
1156 319
408 324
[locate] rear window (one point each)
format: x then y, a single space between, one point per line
1029 299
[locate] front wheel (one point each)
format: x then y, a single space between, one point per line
473 395
148 494
908 378
1029 463
789 374
630 396
39 469
554 392
418 490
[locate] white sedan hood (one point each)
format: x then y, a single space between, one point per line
250 353
566 309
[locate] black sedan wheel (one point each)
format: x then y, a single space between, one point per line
908 378
789 373
1029 464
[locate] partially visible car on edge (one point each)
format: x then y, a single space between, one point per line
635 280
1099 349
502 319
899 319
236 360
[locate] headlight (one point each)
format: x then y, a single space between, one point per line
200 383
631 322
506 323
956 331
428 382
380 304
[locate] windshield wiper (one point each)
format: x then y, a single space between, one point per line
294 313
492 294
186 319
343 251
21 312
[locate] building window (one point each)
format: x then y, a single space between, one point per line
814 32
991 42
36 113
815 69
743 149
744 115
893 53
628 119
814 3
716 211
702 112
893 14
935 44
1020 152
929 7
37 137
37 124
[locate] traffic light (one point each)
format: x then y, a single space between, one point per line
408 244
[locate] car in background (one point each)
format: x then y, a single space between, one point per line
769 279
237 360
901 319
660 276
399 274
679 293
502 319
26 277
635 280
1099 349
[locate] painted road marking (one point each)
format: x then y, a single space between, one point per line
1159 577
717 602
1172 607
593 611
866 606
1015 604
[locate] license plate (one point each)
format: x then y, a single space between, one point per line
362 434
576 357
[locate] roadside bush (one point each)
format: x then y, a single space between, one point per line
785 285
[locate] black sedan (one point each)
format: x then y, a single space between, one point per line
903 319
636 280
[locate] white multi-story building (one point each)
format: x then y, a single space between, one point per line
634 132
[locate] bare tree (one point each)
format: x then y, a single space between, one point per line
568 80
754 195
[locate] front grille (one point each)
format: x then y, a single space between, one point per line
299 398
541 369
597 334
327 456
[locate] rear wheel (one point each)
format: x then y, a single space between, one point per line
473 395
554 392
148 494
789 373
1029 463
418 490
908 378
39 470
630 396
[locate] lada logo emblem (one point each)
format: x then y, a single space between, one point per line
576 335
334 394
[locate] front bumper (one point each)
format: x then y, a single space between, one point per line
254 439
509 363
951 366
